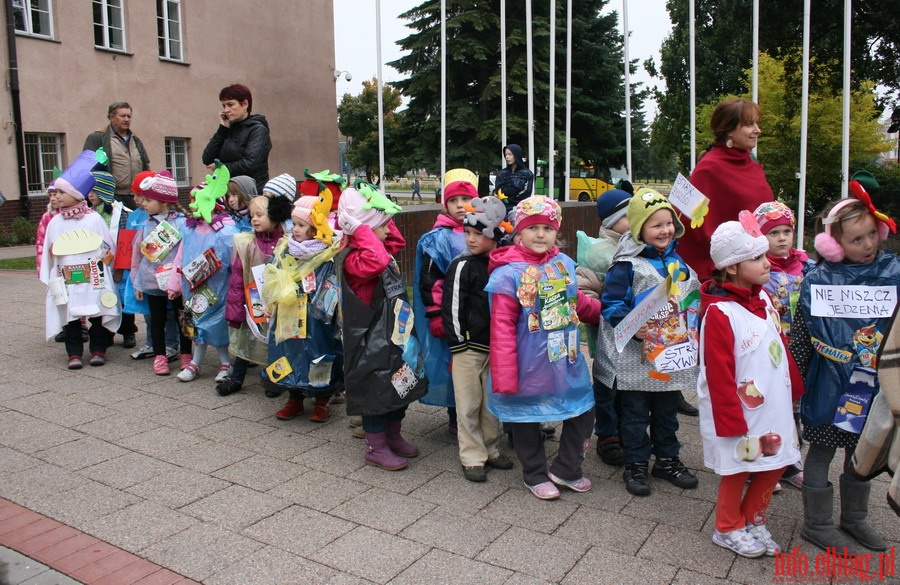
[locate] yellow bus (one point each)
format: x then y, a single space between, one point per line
584 187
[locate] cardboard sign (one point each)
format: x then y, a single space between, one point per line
652 304
689 200
852 301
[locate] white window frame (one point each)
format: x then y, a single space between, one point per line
164 21
178 159
106 6
43 151
28 8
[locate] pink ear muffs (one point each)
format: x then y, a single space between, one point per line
828 247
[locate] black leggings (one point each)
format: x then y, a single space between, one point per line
158 313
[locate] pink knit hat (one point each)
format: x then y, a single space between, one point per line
160 187
352 202
537 209
302 208
771 214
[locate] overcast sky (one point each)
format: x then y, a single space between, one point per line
355 47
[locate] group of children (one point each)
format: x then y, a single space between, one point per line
309 289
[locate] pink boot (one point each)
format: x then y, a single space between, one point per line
397 443
379 455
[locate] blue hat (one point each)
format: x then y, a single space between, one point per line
611 206
77 180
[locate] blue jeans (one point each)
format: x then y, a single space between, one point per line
377 423
659 412
608 410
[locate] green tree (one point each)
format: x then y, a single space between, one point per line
358 120
473 73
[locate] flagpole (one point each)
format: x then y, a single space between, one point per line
551 123
381 173
804 130
627 91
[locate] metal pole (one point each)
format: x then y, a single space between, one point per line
443 92
755 74
568 163
845 133
530 89
627 91
804 130
381 172
693 89
551 123
502 79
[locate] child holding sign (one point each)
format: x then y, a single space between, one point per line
745 389
538 373
656 355
846 303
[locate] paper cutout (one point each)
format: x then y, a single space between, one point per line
689 200
78 241
162 240
649 306
852 301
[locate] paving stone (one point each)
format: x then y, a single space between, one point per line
104 395
319 491
607 530
201 551
282 443
383 510
188 417
535 553
521 508
139 526
117 427
12 461
147 404
658 508
160 441
178 487
79 454
601 567
442 567
299 530
206 456
28 487
28 434
689 577
235 507
455 491
126 470
255 408
84 502
454 531
408 480
370 554
687 548
272 565
233 430
259 472
333 458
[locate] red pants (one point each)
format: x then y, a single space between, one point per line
736 508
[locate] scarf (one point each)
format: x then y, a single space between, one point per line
76 211
305 248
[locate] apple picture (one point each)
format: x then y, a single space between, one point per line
749 395
748 449
770 443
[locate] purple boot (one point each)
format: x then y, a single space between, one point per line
379 454
397 443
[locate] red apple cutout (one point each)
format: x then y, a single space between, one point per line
749 395
770 444
748 449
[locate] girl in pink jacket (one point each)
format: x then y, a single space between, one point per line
538 373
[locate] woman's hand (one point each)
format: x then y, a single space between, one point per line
223 119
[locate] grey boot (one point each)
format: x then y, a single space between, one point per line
818 522
855 509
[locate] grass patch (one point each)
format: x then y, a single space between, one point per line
18 264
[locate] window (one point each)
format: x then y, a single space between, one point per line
177 160
33 17
109 24
43 152
168 28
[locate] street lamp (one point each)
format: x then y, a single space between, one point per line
337 77
338 74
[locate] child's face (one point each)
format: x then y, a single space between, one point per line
65 200
234 201
259 219
54 199
138 200
152 206
659 229
478 243
621 226
302 230
750 272
780 239
860 239
93 198
382 231
538 238
455 206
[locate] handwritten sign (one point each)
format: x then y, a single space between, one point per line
852 301
652 304
673 358
689 200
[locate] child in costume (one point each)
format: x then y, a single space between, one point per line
75 263
467 325
241 190
434 252
594 259
746 387
842 377
152 264
383 366
301 291
659 360
204 263
776 222
41 233
244 308
538 373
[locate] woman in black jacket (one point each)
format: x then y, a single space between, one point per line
242 140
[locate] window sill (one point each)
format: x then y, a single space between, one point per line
174 61
22 33
113 51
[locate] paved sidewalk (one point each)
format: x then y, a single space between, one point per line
219 491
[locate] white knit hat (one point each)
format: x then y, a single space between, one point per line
283 184
736 241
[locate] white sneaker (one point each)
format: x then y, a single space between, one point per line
142 353
762 534
189 373
172 354
739 541
224 372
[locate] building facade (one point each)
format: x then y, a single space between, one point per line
70 59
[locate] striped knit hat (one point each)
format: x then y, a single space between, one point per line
104 186
283 184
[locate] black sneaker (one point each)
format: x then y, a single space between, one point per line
674 471
228 386
686 408
610 451
60 337
636 481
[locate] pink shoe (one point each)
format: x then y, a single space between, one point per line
185 360
544 491
580 485
161 365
